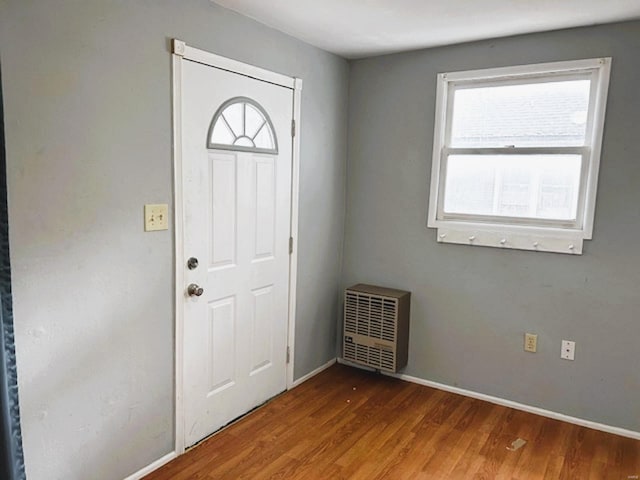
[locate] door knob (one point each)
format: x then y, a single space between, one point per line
195 290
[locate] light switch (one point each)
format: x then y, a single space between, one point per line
156 217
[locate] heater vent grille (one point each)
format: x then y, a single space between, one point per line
376 326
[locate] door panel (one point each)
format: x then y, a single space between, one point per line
237 207
222 341
265 206
263 319
222 188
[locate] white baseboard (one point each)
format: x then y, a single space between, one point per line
507 403
520 406
313 373
152 466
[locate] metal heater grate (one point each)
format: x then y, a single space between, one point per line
376 326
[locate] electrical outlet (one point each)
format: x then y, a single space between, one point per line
156 217
530 342
568 350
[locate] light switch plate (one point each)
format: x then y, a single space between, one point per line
156 217
530 342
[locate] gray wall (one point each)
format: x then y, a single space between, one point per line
88 129
471 305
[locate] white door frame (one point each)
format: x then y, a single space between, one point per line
180 52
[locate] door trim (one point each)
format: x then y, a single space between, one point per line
181 51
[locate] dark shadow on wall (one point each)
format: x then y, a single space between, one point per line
11 457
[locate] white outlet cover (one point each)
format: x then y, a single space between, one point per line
568 351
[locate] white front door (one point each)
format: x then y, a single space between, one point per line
236 182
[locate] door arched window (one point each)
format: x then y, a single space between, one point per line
242 124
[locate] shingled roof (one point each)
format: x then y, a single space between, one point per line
543 114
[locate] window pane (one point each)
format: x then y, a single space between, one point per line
547 114
253 120
264 139
244 142
530 186
234 114
221 133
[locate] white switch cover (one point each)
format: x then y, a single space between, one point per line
156 217
530 342
568 350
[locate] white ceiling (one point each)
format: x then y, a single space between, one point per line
361 28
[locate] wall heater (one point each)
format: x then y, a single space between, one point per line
376 326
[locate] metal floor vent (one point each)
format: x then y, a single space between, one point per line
376 326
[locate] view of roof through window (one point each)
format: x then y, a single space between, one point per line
542 114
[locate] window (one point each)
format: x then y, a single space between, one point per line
242 124
516 155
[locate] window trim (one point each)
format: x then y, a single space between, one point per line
520 232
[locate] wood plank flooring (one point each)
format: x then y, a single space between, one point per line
346 423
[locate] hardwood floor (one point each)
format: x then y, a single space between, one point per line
348 423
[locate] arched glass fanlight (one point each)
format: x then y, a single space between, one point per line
242 124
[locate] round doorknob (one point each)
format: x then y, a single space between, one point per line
195 290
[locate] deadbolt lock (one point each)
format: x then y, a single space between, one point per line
192 263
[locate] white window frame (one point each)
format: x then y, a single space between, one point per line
520 232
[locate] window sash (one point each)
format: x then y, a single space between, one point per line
537 78
575 224
518 151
